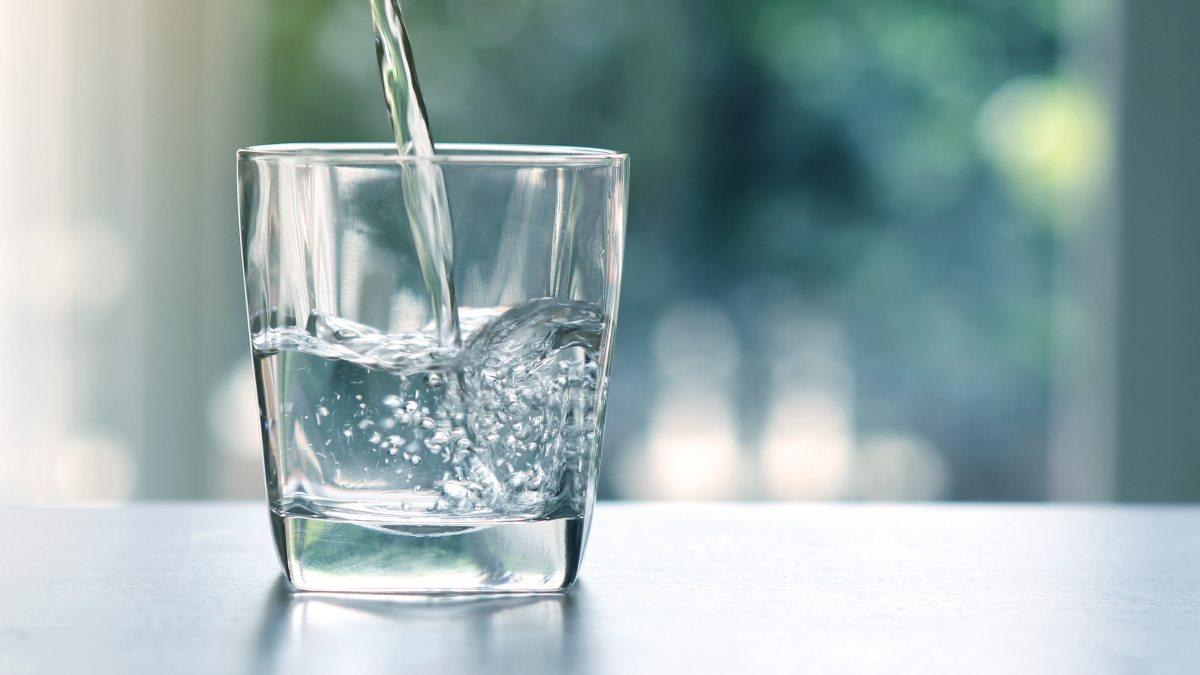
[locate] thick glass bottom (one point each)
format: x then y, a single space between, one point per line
523 556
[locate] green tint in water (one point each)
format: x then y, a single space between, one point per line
525 556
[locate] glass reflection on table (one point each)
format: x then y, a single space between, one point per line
308 632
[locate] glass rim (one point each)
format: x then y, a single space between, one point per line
447 153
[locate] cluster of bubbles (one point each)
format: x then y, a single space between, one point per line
536 423
506 427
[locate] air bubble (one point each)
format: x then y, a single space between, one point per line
454 490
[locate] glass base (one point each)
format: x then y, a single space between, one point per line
530 556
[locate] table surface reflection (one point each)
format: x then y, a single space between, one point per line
678 588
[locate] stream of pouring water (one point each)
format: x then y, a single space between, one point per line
424 188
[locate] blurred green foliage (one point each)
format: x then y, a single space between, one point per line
804 156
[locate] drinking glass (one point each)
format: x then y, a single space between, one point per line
431 391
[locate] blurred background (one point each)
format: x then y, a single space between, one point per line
877 249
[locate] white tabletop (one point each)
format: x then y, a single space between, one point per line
194 587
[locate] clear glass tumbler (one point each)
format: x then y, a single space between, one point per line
431 403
